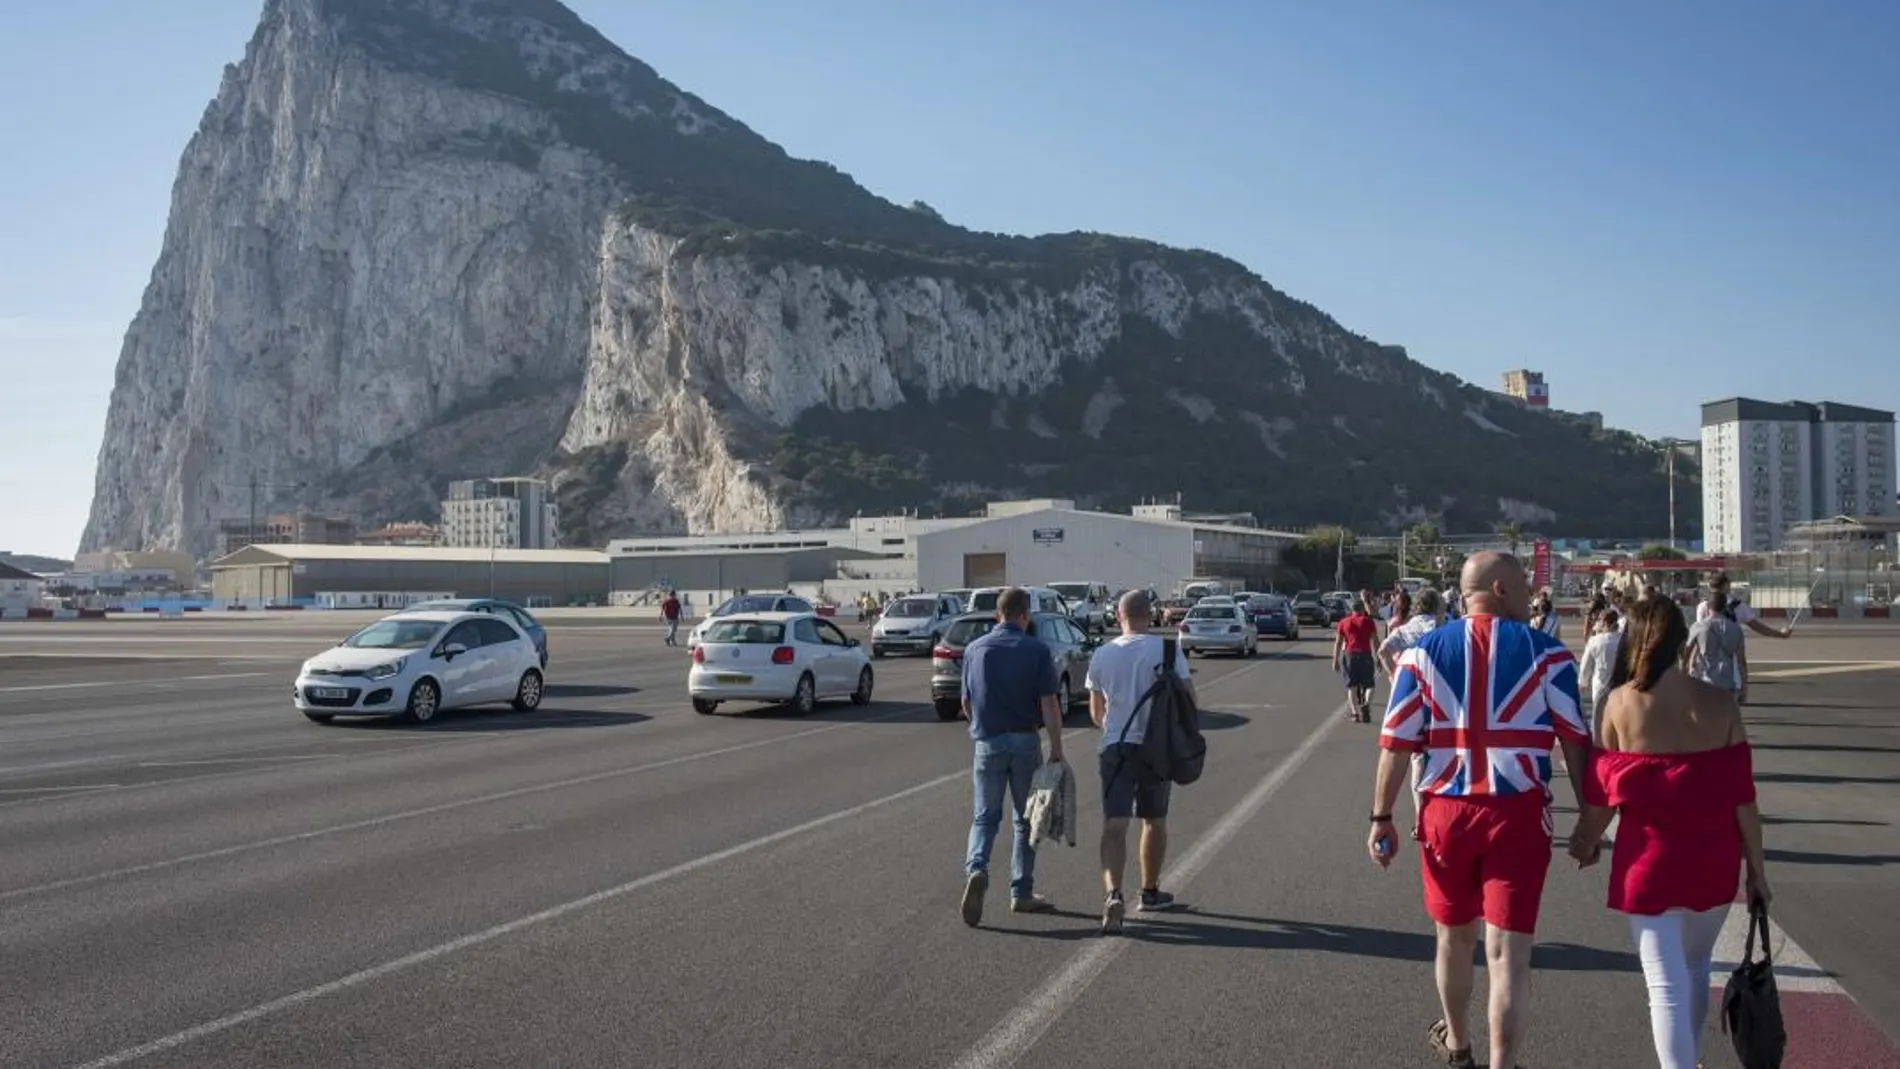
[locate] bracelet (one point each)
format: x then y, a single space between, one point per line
1382 818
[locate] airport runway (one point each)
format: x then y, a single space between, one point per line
195 876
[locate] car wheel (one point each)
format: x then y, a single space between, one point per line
805 698
528 692
1065 697
425 698
320 718
862 695
878 653
947 709
704 706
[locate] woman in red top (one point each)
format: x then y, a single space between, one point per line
1673 761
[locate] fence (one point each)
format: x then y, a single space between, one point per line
1850 579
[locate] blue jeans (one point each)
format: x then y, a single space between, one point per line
1004 761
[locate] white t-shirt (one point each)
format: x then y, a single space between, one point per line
1122 670
1599 660
1743 614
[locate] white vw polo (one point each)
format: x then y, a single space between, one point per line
419 663
793 658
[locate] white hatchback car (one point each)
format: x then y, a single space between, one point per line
747 604
419 663
794 658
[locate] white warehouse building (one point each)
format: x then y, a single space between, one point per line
1058 542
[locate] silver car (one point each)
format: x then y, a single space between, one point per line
1219 628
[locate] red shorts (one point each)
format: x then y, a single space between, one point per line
1485 857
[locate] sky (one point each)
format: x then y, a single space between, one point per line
1654 204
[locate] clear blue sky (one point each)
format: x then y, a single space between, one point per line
1655 204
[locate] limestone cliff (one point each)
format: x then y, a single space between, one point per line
418 240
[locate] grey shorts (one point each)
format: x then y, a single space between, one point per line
1129 787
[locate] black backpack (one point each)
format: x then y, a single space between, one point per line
1173 746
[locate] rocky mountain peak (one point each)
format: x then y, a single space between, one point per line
420 240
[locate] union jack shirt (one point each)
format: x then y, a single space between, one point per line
1484 699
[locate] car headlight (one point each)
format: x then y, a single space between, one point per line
384 671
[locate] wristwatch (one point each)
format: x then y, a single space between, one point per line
1382 818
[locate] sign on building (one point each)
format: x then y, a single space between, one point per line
1047 536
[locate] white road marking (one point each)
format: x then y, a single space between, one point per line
430 810
1825 670
142 686
488 935
63 790
259 759
1017 1033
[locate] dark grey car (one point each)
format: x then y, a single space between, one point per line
1068 646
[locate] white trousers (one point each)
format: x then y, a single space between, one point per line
1676 949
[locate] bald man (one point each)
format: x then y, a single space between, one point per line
1484 699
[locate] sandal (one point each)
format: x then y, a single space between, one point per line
1458 1059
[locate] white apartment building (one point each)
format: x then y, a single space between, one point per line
1767 466
514 513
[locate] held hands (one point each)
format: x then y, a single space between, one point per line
1585 854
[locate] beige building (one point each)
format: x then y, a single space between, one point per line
316 575
1527 387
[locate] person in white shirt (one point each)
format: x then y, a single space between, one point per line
1740 612
1428 611
1599 661
1120 673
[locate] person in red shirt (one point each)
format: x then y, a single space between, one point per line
670 612
1352 658
1674 761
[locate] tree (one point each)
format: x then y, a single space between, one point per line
1512 533
1660 552
921 208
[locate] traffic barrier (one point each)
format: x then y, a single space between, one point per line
284 608
1773 614
1825 612
39 614
1877 612
92 614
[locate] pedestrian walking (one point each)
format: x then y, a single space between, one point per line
1353 639
1485 700
1714 652
1009 694
670 612
1675 766
1742 613
1599 661
1120 675
1429 614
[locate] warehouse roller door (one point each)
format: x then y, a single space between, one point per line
985 569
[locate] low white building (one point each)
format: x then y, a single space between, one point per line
1058 542
19 590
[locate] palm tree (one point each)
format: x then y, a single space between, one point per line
1512 534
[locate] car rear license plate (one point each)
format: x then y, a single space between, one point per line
332 692
731 677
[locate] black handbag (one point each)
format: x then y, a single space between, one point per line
1751 1004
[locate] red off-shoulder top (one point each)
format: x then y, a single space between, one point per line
1677 843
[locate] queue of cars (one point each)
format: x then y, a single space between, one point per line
762 648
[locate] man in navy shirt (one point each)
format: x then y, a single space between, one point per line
1009 694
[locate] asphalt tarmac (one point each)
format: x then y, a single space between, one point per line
193 875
